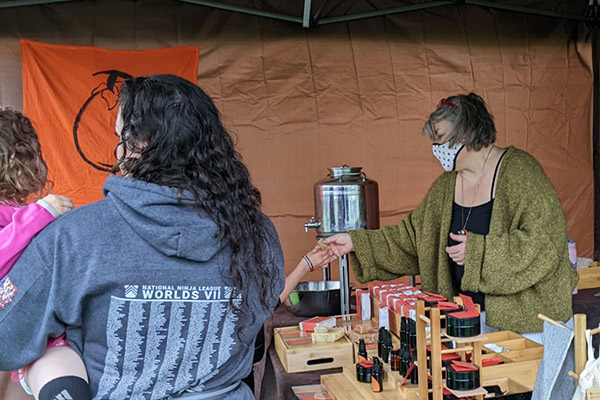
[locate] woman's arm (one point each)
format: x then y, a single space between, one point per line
6 213
386 253
319 259
390 252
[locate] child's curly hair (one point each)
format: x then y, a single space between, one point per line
23 171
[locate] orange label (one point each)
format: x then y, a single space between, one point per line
375 385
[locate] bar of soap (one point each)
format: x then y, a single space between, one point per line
361 329
323 334
322 244
309 325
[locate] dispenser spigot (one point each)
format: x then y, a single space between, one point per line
311 224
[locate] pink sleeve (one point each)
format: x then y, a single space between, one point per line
15 235
6 213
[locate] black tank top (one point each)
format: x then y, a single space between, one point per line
478 222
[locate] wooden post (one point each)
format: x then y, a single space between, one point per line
580 343
477 361
422 350
436 354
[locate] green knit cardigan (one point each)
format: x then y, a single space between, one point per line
522 265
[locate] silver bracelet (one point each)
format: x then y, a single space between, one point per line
310 264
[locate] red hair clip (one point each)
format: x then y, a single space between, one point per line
445 102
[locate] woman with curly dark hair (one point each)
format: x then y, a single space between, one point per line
164 284
491 226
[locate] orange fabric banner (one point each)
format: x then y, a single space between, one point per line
70 94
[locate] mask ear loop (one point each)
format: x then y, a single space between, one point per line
456 156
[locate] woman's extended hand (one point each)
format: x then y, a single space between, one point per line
458 252
339 244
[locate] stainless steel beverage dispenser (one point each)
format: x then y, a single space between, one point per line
345 200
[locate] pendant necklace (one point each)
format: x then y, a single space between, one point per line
464 221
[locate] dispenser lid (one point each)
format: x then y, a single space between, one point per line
344 170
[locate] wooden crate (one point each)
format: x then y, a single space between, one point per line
589 277
311 357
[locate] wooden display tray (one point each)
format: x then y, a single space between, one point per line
509 386
340 387
512 377
593 394
312 357
467 393
521 348
345 386
589 277
522 373
391 382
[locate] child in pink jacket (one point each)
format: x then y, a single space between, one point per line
23 174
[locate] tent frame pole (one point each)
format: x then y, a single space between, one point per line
596 141
24 3
388 11
307 20
526 10
306 17
244 10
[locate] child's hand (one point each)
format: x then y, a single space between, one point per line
321 258
60 203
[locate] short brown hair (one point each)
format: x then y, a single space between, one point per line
473 124
23 171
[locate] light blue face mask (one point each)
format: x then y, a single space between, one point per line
447 155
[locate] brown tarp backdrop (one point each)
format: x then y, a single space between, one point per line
299 101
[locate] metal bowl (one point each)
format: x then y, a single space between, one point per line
318 298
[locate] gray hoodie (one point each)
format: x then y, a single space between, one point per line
139 284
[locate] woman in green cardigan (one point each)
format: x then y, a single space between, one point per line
491 227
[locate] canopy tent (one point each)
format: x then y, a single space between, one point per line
321 12
356 86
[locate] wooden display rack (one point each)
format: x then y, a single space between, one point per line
516 375
464 345
589 277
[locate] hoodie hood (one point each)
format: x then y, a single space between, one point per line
155 214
